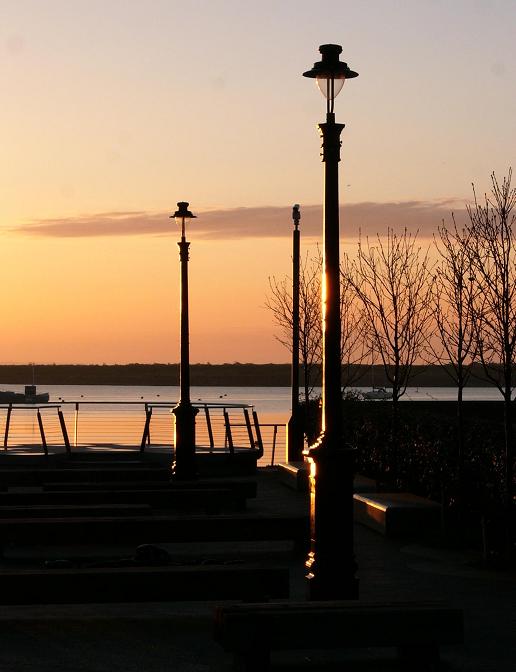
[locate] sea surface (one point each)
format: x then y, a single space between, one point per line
272 403
103 415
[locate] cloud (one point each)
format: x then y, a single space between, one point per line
260 222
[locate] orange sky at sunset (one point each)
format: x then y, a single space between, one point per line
113 111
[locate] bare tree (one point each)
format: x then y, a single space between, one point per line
355 347
390 278
493 255
279 302
453 293
353 334
453 298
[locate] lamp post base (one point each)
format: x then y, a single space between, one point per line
184 465
331 561
295 440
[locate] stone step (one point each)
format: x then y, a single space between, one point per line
181 499
22 476
142 584
243 487
74 510
137 530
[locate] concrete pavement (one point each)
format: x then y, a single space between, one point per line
177 636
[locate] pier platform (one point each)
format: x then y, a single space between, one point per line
178 635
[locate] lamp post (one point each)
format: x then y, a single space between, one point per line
184 466
331 562
294 429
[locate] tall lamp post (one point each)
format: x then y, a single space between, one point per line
331 562
294 428
184 466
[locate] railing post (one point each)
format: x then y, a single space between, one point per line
148 433
258 434
274 435
208 425
249 428
42 432
64 431
146 428
229 436
7 423
76 424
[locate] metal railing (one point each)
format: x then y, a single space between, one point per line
139 425
271 431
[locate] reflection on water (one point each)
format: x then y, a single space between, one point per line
106 423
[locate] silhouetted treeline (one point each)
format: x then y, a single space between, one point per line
218 375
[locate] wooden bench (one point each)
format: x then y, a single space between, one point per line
252 631
143 584
155 529
396 514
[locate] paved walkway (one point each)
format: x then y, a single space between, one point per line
177 637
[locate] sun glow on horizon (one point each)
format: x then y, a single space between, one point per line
107 122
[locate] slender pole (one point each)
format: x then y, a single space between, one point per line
331 563
294 428
184 466
184 371
331 391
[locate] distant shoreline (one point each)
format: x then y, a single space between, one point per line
204 375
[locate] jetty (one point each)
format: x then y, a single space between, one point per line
107 562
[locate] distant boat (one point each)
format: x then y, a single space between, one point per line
30 396
378 393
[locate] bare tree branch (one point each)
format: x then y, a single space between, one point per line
391 280
454 293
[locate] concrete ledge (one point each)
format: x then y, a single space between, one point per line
396 514
363 484
294 475
416 629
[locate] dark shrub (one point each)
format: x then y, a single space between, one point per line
417 451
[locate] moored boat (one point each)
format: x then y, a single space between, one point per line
30 396
378 393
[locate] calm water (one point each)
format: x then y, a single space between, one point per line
271 403
122 424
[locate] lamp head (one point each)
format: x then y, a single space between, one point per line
181 214
296 214
330 72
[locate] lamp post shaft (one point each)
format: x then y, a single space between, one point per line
331 391
184 466
331 562
184 367
294 429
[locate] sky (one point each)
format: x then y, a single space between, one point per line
112 111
